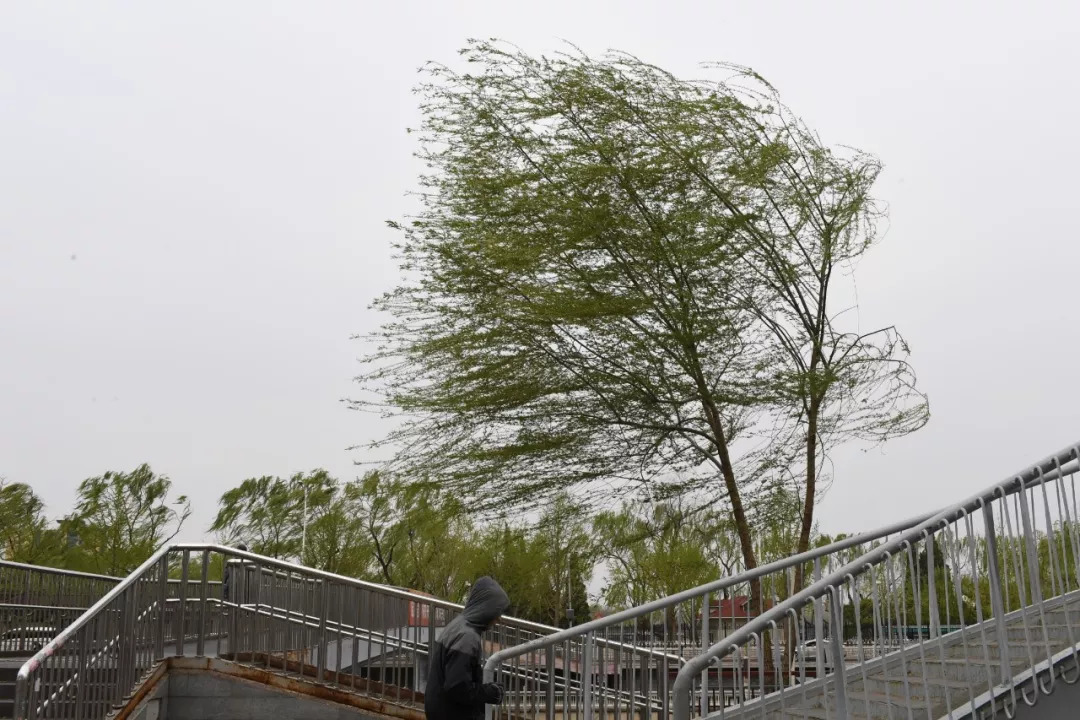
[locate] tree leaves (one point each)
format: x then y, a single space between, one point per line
24 533
616 275
120 519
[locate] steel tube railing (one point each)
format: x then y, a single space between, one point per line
280 615
994 581
696 604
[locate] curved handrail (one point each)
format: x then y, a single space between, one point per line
693 593
1061 464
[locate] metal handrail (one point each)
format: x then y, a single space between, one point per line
639 611
386 639
1059 465
585 631
123 597
45 570
389 590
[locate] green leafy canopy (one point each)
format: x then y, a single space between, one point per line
617 277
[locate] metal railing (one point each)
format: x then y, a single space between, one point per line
37 602
33 585
620 683
279 616
945 619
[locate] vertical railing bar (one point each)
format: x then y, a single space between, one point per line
163 594
182 603
200 646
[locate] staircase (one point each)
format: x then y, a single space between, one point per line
9 668
1011 547
935 679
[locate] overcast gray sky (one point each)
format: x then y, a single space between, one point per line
193 196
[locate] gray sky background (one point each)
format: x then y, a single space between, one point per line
192 199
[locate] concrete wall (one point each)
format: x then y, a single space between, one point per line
212 689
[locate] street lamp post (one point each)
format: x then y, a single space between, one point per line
569 592
303 534
303 527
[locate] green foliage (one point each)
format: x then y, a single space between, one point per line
653 553
420 537
619 274
412 535
544 569
24 533
120 519
264 512
335 532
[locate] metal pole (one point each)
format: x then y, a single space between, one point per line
303 535
838 653
586 676
705 646
996 605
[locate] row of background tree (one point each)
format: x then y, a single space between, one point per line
403 534
414 536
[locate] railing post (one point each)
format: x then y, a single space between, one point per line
819 627
234 571
200 642
550 695
839 674
324 608
80 691
996 604
181 608
489 676
586 676
931 581
1029 545
705 646
126 672
163 605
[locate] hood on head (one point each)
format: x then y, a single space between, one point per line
486 602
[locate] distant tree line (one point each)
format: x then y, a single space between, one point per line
404 534
415 535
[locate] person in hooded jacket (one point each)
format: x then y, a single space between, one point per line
455 683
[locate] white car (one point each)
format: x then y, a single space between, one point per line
804 661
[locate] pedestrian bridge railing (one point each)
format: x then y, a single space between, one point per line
991 584
34 585
614 681
286 618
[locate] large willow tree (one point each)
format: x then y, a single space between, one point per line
619 278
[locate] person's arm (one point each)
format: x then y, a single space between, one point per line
458 683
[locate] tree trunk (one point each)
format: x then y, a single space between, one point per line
807 523
738 512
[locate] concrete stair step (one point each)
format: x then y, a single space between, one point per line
993 650
898 686
814 713
893 707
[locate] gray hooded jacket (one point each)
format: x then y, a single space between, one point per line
455 684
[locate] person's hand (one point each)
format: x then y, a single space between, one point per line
494 693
